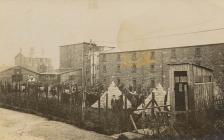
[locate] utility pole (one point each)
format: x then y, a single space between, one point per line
93 63
82 69
143 75
162 69
92 47
83 88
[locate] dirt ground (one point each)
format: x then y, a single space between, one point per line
21 126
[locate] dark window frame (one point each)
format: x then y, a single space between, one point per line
152 83
134 68
118 57
104 68
197 52
118 68
152 55
152 67
104 58
173 53
134 56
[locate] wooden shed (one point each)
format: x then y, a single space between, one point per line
192 89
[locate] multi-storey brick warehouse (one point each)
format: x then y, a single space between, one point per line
84 56
146 68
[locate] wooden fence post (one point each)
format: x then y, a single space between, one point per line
99 102
58 95
46 107
83 105
37 97
126 111
20 100
70 104
26 94
153 105
106 110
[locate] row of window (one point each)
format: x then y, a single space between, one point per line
133 68
203 79
152 57
197 52
133 57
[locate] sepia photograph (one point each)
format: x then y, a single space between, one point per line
111 69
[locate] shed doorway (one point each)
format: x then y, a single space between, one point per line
181 90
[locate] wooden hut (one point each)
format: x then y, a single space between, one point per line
192 90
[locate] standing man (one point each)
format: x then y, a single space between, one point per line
120 105
165 101
113 104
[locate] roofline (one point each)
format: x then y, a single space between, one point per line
31 57
191 64
19 54
40 73
107 46
202 45
75 44
49 73
20 67
87 43
58 73
70 71
39 57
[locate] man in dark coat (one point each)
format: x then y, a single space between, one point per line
113 103
120 113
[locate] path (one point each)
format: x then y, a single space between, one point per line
21 126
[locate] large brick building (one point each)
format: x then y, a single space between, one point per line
35 64
146 68
84 56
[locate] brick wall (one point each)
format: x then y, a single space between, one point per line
78 56
151 65
71 56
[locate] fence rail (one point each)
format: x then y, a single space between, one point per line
73 108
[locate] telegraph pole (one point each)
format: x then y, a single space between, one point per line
83 88
162 69
92 47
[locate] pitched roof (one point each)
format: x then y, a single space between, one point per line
118 50
20 67
209 69
4 67
60 71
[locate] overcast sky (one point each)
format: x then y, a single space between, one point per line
47 24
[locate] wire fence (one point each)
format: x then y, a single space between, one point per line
71 106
